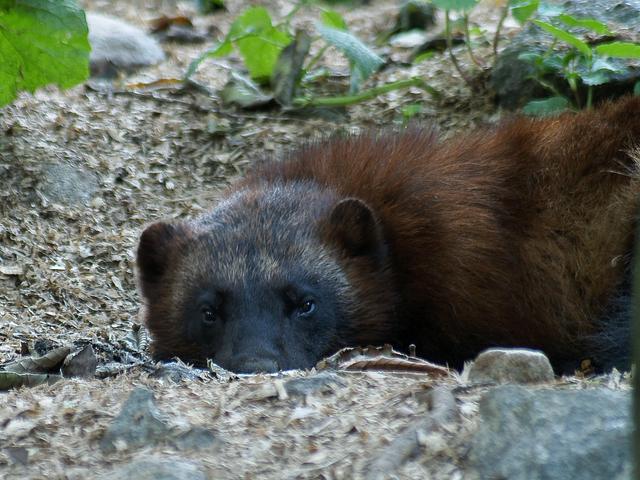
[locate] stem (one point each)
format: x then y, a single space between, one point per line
287 19
454 60
590 89
465 20
496 37
315 59
368 94
574 88
548 86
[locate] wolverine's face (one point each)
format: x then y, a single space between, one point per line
257 285
275 315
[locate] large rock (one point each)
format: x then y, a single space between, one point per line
139 424
510 77
118 46
67 184
546 434
157 468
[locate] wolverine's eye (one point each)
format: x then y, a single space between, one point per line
208 316
306 308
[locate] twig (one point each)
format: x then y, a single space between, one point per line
454 60
468 41
496 37
316 58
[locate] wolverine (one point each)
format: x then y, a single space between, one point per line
515 236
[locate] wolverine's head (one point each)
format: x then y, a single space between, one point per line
272 279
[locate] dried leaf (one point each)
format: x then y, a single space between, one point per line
9 380
48 363
381 359
164 22
289 69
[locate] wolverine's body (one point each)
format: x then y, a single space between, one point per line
519 236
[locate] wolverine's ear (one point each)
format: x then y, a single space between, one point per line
154 248
354 227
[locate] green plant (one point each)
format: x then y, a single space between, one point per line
582 65
278 58
522 10
41 42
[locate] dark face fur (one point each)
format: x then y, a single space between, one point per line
260 283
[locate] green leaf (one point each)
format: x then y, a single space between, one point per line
242 92
333 19
588 23
364 61
546 107
252 21
411 110
260 54
423 56
553 63
547 10
523 10
596 77
258 41
41 42
530 57
455 4
565 37
221 50
636 89
604 64
619 49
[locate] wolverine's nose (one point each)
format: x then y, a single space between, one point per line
255 365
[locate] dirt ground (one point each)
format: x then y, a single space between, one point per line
67 273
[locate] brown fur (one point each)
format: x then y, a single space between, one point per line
517 236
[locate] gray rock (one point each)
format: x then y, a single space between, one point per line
324 382
141 424
118 46
545 434
138 424
67 184
515 365
196 438
157 469
509 78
